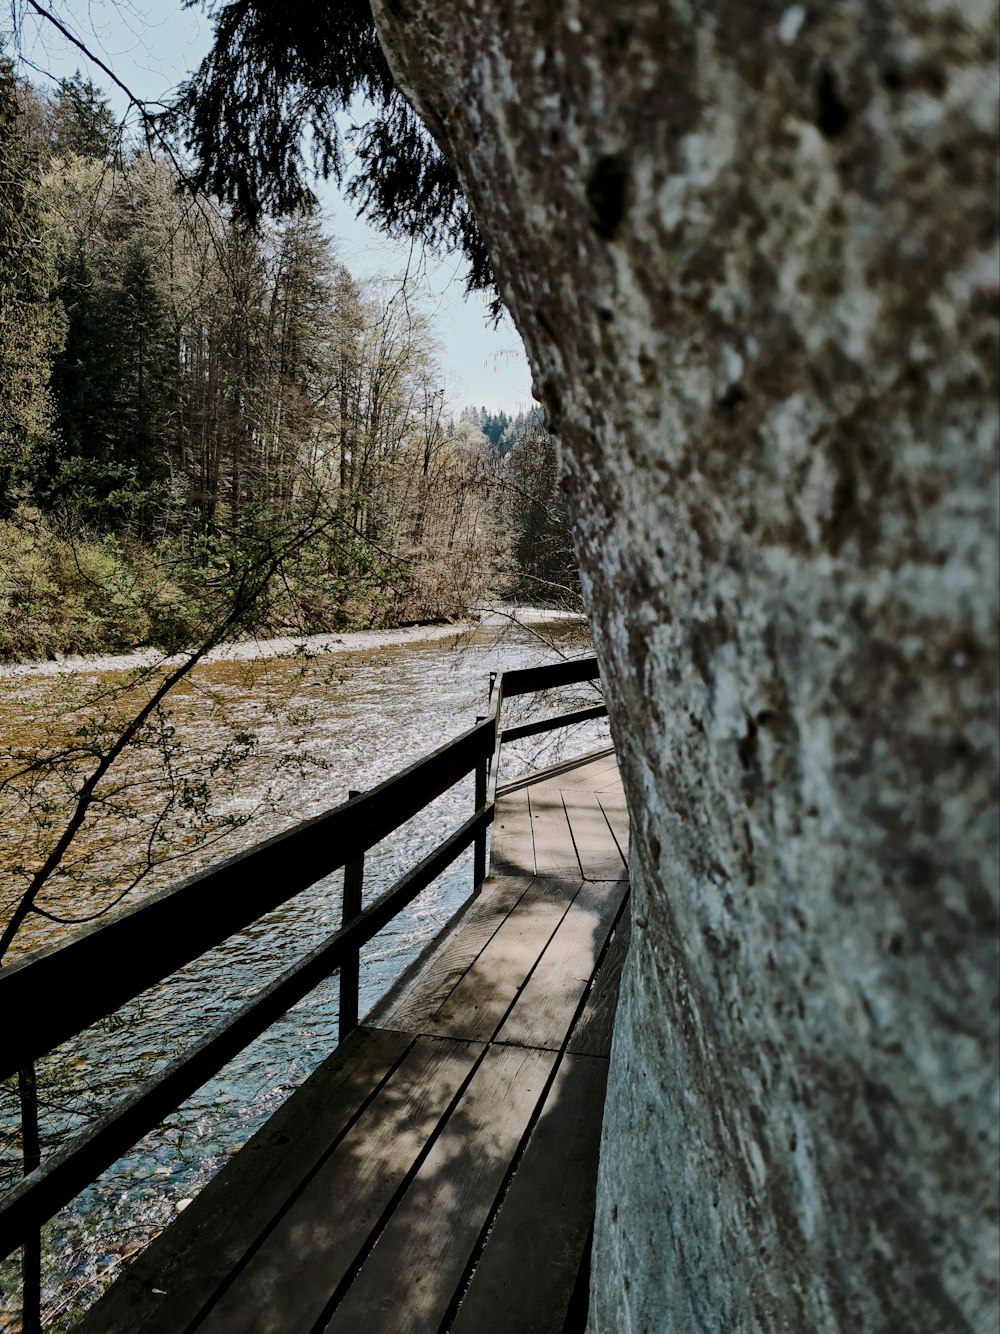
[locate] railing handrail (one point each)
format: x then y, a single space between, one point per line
549 675
105 966
527 680
75 1165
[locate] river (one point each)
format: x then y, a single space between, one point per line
284 731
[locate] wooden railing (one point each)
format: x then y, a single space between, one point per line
103 968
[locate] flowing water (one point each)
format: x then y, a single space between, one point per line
284 731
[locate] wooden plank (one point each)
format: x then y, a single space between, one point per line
591 1034
555 854
480 800
604 763
511 846
180 1272
550 771
613 783
477 1005
410 1007
292 1279
409 1280
525 1277
544 1010
350 969
614 808
599 855
589 776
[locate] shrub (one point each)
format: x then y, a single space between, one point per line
63 590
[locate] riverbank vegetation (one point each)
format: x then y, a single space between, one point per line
175 387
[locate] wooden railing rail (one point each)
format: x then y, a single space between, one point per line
547 724
106 966
350 968
67 1171
110 964
526 680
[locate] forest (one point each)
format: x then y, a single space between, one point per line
752 254
184 397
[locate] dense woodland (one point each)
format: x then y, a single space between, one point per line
183 396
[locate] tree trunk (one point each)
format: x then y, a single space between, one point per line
749 250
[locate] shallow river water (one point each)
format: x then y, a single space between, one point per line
296 727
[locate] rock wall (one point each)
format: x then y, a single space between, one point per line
752 250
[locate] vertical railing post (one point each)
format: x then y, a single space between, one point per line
479 853
350 969
31 1251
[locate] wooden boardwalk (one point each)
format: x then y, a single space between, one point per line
437 1173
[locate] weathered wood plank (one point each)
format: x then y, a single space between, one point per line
524 1279
614 807
411 1008
290 1281
591 1034
591 775
598 852
477 1005
544 1010
554 851
511 847
408 1281
552 770
275 1253
166 1288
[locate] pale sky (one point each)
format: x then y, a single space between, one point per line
151 45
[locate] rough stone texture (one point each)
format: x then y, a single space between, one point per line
752 252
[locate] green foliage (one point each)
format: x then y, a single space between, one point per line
405 185
63 590
29 327
494 427
81 123
274 73
115 384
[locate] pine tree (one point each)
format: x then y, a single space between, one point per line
81 122
116 380
29 329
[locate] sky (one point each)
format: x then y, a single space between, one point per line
150 45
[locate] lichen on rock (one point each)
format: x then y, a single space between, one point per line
752 251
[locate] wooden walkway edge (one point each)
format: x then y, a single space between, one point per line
437 1173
